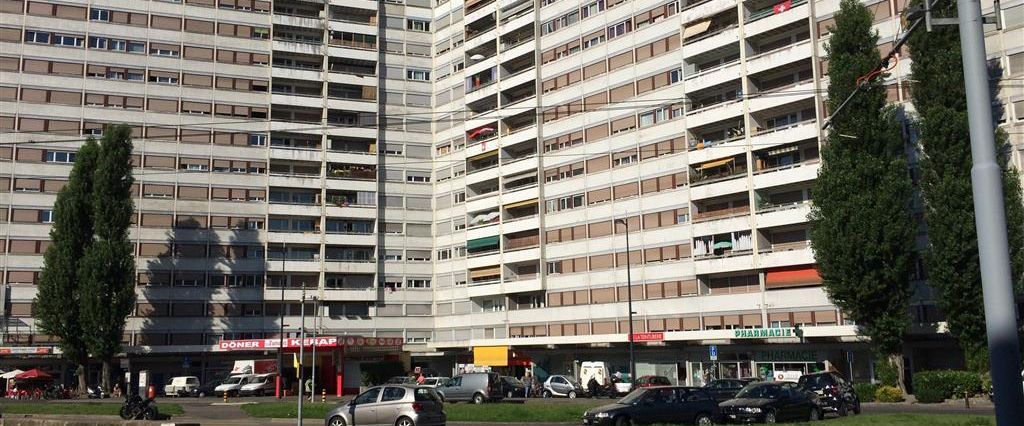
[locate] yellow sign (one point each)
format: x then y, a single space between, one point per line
493 356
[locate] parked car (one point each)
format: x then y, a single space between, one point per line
434 382
181 386
398 405
723 389
648 381
474 387
207 388
259 385
512 387
661 404
563 386
401 380
771 402
835 394
232 385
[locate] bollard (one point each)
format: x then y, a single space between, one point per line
225 396
323 396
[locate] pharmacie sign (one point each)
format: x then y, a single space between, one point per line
763 333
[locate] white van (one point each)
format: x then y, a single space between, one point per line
181 386
232 385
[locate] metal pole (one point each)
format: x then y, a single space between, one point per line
312 369
990 218
302 347
629 306
280 320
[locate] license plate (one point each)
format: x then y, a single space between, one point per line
819 392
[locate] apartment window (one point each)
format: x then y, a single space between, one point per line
60 157
593 41
136 47
592 8
134 75
417 283
564 203
258 140
392 255
101 15
46 216
460 252
418 75
68 40
37 37
163 79
417 25
98 42
620 29
444 254
162 50
122 46
460 197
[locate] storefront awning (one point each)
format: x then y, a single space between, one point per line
482 242
485 272
716 163
521 203
791 276
697 28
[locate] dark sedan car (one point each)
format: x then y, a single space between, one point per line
771 402
723 389
207 388
660 404
512 387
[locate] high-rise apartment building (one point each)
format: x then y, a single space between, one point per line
455 174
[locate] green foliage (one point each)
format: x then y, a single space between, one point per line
107 268
863 240
865 391
952 260
888 374
58 297
888 394
375 373
935 386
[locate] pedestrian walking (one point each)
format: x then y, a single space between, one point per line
528 382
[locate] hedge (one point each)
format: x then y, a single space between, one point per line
936 386
865 391
888 394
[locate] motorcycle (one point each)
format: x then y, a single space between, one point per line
136 408
96 392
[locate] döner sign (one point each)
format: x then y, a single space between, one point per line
320 342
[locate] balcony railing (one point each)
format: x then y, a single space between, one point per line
788 166
774 207
720 214
520 277
769 11
522 243
697 179
780 247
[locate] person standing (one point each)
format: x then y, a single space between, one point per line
528 382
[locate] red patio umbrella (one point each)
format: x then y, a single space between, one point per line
33 374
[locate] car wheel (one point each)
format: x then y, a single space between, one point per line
703 419
815 414
202 394
842 410
478 399
571 394
546 394
125 413
623 421
404 421
856 406
770 417
149 414
336 421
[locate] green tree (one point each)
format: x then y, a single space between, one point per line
58 296
940 100
108 266
862 227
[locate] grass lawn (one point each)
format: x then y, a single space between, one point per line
78 408
287 410
908 420
530 413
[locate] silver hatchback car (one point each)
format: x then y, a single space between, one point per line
391 405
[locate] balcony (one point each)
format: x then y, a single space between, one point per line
521 240
718 170
721 214
351 171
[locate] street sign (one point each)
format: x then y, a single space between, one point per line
713 352
647 337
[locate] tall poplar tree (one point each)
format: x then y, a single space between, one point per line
954 272
58 296
862 228
108 267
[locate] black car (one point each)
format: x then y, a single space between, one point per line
771 402
207 388
661 404
834 393
512 387
723 389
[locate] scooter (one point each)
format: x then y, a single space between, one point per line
136 408
96 392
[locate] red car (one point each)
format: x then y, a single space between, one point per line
648 381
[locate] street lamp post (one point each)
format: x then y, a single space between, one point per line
280 334
629 305
302 347
312 369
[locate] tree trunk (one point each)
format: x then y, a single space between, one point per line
83 384
105 375
896 361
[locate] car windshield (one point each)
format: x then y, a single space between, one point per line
232 380
815 382
759 391
633 397
513 381
258 381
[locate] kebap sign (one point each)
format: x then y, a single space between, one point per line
320 342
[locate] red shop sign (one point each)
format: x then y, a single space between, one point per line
648 337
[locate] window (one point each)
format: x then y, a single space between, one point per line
444 254
97 42
68 40
136 47
163 79
122 45
417 25
417 283
60 157
460 197
37 37
102 15
46 216
392 394
593 41
258 140
620 29
564 203
418 75
592 8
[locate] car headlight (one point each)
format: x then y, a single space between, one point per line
602 415
754 410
